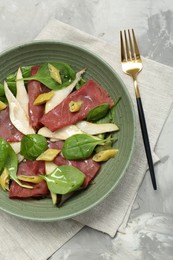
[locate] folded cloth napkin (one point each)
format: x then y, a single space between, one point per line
156 85
33 240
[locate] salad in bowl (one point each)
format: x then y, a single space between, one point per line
57 130
67 130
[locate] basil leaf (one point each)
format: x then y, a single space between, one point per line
32 145
64 179
4 148
98 112
43 75
80 146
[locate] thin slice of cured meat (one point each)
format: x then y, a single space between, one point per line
29 168
87 166
35 88
90 94
7 129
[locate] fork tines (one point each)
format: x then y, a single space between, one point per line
132 51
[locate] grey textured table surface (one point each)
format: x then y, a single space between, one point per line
149 233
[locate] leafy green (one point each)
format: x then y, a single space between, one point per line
4 149
106 146
80 146
2 92
98 112
32 145
9 160
80 83
12 164
64 179
11 80
3 99
44 76
110 116
26 71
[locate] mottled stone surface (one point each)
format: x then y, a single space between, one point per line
149 234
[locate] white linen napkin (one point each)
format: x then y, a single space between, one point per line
22 239
156 85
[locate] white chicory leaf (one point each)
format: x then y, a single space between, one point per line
95 129
22 95
61 134
17 114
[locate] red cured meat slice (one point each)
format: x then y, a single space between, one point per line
91 95
87 166
35 88
39 190
7 129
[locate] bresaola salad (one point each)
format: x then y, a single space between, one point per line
55 130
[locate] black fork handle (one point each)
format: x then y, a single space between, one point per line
146 141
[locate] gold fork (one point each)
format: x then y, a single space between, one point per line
132 65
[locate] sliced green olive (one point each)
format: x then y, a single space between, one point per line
104 155
43 98
54 73
2 105
32 179
48 155
74 106
5 179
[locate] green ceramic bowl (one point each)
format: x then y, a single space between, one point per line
112 171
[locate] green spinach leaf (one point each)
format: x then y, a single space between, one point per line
26 71
12 165
80 83
64 179
4 149
9 160
4 100
44 76
2 92
80 146
98 112
32 145
110 116
11 80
